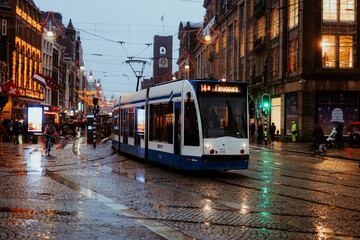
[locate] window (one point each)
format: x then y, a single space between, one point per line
250 38
292 55
346 52
275 68
161 122
293 13
330 9
261 27
274 27
191 126
334 10
328 51
347 10
4 27
242 45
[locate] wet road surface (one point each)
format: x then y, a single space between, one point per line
82 193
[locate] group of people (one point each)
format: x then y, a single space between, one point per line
260 133
11 130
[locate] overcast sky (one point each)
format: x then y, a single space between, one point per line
135 22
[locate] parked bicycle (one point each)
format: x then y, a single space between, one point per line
320 149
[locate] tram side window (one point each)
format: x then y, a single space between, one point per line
191 129
131 122
161 122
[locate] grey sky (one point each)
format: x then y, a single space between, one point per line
134 22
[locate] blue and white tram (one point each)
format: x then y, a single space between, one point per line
188 124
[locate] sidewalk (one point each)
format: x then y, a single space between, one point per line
302 147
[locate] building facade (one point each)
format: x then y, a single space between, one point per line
24 36
303 53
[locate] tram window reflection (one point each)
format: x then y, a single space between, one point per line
191 129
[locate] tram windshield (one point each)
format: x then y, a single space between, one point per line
223 116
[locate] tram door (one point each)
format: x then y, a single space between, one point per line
177 134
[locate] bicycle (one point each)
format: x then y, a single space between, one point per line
48 144
318 149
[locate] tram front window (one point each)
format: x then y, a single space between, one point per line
223 116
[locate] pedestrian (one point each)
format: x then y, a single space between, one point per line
272 130
293 131
252 130
16 132
260 134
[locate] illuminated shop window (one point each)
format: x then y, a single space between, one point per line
328 51
345 51
293 13
347 10
274 27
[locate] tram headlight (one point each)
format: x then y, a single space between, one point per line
208 145
244 145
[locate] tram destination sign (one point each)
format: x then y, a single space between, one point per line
221 88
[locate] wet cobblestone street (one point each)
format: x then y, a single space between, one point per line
82 193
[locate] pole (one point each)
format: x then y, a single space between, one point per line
137 85
94 129
265 129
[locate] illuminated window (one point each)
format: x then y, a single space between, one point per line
274 27
261 27
330 9
328 51
250 38
217 45
293 13
224 40
242 45
347 10
275 62
292 55
345 51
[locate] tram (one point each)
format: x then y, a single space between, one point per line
187 124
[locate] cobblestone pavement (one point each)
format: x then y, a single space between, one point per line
85 193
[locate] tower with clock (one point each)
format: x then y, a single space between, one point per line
162 64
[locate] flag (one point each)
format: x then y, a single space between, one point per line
162 18
11 89
51 83
39 78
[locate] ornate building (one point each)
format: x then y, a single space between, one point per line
24 36
303 53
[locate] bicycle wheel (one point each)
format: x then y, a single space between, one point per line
323 150
311 149
49 148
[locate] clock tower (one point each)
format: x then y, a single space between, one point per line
162 66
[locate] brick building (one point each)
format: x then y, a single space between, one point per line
303 53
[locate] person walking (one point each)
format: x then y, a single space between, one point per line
252 130
293 131
16 132
272 130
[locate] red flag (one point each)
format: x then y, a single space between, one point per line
11 89
162 18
